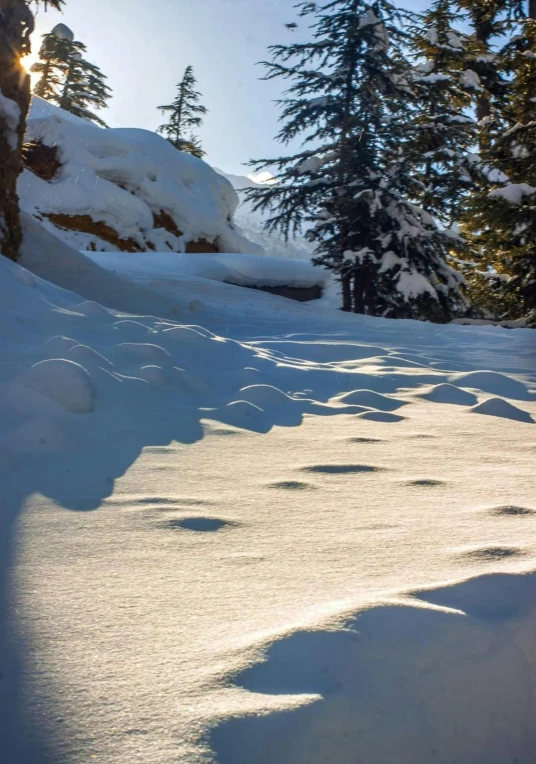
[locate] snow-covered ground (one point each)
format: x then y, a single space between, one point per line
242 530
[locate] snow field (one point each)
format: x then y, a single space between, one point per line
198 578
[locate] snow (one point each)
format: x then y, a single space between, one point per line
63 32
259 532
122 177
242 270
470 79
513 192
369 19
63 381
10 115
251 223
412 284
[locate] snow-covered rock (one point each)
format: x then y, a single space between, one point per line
125 189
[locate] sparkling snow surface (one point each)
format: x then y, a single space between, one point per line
214 521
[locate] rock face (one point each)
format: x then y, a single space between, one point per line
299 294
123 189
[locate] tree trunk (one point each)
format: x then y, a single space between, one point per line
532 9
16 24
346 293
361 303
482 34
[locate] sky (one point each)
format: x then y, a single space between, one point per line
143 46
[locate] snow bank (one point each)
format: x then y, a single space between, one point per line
126 189
242 270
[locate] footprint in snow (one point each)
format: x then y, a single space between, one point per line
199 524
364 440
341 469
489 554
510 510
426 483
292 485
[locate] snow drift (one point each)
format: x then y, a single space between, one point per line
240 270
123 189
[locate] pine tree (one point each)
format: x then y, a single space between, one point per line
185 113
489 20
48 67
68 79
16 26
503 217
446 132
351 101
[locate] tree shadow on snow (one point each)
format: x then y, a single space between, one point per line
401 682
152 383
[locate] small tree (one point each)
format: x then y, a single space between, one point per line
68 79
16 26
185 113
351 100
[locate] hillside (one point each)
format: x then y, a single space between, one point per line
251 223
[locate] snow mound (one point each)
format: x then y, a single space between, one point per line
371 399
445 393
501 408
126 189
64 382
494 383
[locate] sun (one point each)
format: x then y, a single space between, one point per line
27 62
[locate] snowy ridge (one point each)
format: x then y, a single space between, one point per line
123 178
234 519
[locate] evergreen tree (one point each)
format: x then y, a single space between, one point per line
185 113
351 101
489 20
68 79
49 68
503 216
16 26
446 132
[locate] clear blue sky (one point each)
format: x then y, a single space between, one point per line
144 45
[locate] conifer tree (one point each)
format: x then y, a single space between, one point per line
16 26
185 113
350 100
503 215
446 132
68 79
